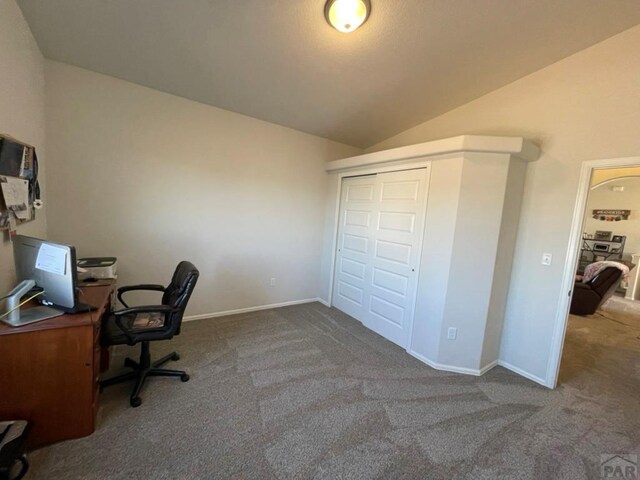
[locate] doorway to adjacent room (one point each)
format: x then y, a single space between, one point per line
601 330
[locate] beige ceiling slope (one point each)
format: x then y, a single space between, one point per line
279 61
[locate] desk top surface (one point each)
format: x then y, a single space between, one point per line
96 295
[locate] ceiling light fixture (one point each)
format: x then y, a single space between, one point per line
347 15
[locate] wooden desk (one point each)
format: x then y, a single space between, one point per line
49 371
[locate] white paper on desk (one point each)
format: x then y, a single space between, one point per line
16 196
52 259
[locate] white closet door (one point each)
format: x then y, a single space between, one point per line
358 207
379 241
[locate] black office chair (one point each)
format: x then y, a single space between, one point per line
149 323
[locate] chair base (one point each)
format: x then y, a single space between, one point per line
143 369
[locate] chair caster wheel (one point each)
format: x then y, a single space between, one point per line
184 377
135 402
175 357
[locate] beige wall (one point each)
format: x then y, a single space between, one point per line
21 113
153 179
584 107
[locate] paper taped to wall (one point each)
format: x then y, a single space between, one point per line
16 196
52 259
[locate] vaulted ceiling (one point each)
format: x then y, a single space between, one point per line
279 61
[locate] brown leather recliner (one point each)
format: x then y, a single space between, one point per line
587 297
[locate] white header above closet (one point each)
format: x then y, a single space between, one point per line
517 147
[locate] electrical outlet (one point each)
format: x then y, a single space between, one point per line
452 333
546 259
272 282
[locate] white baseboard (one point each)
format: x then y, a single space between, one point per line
488 367
452 368
478 372
323 301
201 316
519 371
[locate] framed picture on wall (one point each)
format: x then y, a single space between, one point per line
602 235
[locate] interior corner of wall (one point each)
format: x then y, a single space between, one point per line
423 357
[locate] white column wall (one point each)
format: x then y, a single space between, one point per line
473 262
435 263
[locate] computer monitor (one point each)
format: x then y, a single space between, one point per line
52 266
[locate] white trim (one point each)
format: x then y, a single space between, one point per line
570 264
324 302
522 373
201 316
488 367
515 146
451 368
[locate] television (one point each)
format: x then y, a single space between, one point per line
52 266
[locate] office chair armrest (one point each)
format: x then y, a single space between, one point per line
130 288
142 286
144 309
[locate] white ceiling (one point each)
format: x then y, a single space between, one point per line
279 61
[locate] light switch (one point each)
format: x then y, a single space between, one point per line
546 259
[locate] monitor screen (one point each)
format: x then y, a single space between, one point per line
51 265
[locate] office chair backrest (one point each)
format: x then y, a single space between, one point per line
179 291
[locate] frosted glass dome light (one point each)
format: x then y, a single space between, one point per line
346 15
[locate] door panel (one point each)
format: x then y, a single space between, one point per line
393 252
353 268
397 190
387 311
390 281
351 293
355 245
396 221
357 192
355 218
379 240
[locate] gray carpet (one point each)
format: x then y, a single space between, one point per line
307 392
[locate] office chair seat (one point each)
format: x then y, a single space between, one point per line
148 323
112 334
